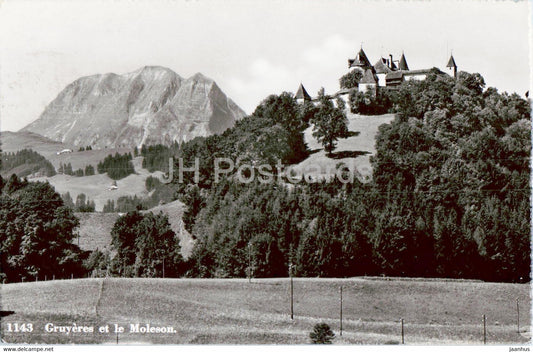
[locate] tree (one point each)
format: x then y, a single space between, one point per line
89 170
36 234
109 207
322 334
351 79
330 122
83 204
146 246
68 169
67 200
195 202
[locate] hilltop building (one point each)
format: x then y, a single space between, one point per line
386 73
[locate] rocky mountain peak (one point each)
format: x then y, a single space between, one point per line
150 105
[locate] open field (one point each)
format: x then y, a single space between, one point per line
355 151
235 311
14 141
96 187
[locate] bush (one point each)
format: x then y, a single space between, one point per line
322 334
152 183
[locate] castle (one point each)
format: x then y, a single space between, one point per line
387 73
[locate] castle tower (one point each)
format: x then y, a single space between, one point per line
403 63
361 61
451 64
302 95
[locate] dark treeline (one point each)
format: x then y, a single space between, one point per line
67 170
156 156
83 203
117 166
27 162
449 198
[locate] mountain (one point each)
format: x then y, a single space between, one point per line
149 106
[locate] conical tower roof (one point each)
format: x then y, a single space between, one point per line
403 64
451 62
361 60
302 93
369 77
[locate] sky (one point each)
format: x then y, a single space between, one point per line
250 48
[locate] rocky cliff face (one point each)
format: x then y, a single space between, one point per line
149 106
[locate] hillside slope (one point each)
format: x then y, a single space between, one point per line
149 106
355 151
174 211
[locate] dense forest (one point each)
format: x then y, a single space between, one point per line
449 197
26 162
117 166
156 156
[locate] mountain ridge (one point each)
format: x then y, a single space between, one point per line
152 105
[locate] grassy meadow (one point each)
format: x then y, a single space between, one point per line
354 151
234 311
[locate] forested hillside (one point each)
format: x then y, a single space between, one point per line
26 162
449 198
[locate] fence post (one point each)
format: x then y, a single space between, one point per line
341 313
292 304
484 329
401 321
517 317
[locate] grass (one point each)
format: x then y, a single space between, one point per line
96 187
14 141
95 230
355 150
222 311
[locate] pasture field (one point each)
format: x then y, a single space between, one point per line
355 150
235 311
97 187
